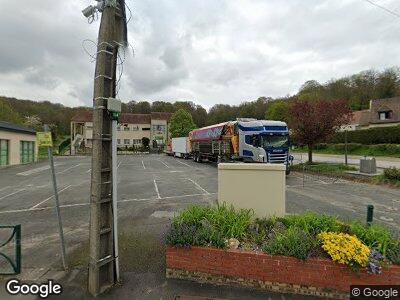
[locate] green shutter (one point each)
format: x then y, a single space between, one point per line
4 153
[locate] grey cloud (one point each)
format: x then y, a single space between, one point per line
213 51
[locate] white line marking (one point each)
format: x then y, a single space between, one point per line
118 165
156 187
198 185
47 199
163 163
144 168
67 169
13 193
33 171
185 164
88 170
85 204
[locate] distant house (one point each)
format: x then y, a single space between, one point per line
381 112
17 144
130 131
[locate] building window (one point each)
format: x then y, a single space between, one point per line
126 127
118 141
119 128
135 128
146 128
4 151
137 142
159 128
126 141
27 152
385 115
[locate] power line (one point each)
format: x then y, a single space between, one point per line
384 8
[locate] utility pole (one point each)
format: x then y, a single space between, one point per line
112 35
345 147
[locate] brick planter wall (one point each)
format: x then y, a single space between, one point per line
321 277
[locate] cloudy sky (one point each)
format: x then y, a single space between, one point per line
208 51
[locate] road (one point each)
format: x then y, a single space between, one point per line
381 162
152 188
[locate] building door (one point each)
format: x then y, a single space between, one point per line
27 152
4 153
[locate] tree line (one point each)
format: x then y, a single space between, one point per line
357 89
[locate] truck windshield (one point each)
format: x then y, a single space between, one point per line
274 141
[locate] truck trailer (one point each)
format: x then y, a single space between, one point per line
247 140
180 147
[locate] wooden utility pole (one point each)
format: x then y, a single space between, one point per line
102 258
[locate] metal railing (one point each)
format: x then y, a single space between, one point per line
16 263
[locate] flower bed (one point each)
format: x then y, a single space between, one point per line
314 276
300 253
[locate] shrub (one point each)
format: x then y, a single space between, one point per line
378 135
393 252
313 223
392 173
345 249
374 236
292 242
194 215
186 235
228 221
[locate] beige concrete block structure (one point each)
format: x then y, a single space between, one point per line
260 187
17 144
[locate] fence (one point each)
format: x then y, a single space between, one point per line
14 266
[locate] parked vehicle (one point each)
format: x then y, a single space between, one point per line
246 140
180 147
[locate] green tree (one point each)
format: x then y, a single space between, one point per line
7 114
278 111
181 123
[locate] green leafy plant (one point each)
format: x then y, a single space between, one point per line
292 242
392 173
374 236
313 223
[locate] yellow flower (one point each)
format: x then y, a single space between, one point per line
344 248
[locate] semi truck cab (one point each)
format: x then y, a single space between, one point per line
264 141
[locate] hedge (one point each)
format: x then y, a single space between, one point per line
377 135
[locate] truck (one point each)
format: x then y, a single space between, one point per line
180 147
247 140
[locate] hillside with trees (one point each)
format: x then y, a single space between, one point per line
358 89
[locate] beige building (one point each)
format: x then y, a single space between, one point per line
132 128
17 144
381 113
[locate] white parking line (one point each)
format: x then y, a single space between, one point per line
156 188
67 169
119 164
47 199
163 163
198 185
13 193
144 168
88 170
185 164
86 204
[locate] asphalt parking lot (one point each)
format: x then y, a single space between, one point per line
151 189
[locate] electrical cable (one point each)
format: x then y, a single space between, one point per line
384 8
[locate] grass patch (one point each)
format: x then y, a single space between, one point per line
323 168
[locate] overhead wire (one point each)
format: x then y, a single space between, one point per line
384 8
